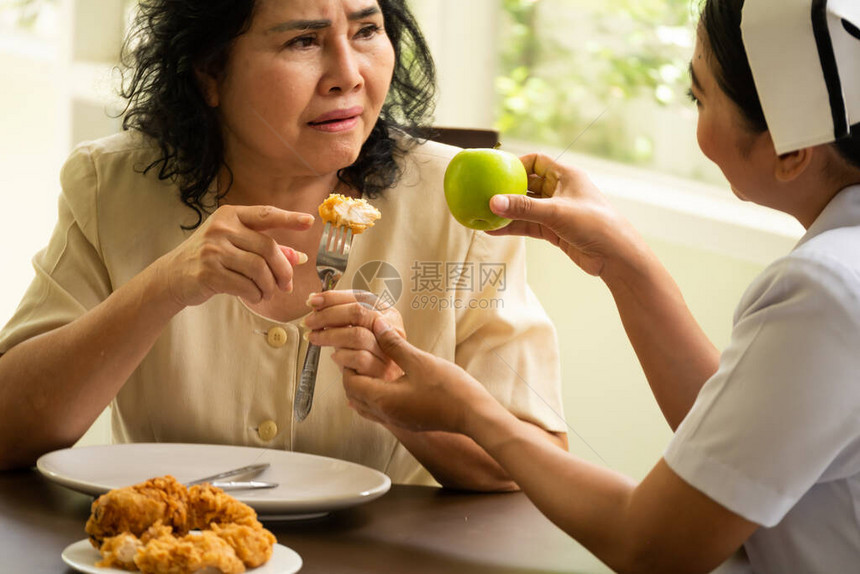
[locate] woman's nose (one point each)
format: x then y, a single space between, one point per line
342 73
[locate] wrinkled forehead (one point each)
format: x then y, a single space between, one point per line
804 57
315 8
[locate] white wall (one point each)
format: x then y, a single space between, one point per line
56 87
32 150
465 60
612 415
30 156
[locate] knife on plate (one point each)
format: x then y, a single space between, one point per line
250 471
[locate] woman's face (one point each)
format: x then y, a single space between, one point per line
744 156
304 86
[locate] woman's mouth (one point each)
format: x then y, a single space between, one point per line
337 120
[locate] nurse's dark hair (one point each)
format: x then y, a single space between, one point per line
721 25
171 39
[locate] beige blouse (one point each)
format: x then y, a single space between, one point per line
220 373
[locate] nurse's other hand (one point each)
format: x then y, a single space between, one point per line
434 394
565 208
344 320
230 253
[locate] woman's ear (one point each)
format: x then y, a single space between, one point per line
789 166
208 87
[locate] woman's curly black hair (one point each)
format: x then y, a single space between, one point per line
171 39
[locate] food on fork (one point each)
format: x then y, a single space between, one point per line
356 214
160 526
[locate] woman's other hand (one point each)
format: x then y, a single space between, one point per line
231 253
434 394
344 320
565 208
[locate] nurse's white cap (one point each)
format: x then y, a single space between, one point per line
805 59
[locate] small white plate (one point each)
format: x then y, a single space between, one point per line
83 557
308 485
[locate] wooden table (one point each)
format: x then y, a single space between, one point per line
411 529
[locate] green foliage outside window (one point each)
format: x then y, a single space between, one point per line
577 70
24 13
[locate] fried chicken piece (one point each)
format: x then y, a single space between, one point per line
146 527
209 504
194 553
252 545
134 509
232 520
157 530
119 551
356 214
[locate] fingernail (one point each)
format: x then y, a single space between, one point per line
314 300
307 219
293 255
499 203
290 287
306 336
380 326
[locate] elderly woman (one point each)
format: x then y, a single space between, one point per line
766 453
176 281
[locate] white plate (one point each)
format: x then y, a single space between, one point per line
83 557
309 485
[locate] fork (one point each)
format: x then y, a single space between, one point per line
332 258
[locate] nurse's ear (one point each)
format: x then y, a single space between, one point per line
789 166
208 84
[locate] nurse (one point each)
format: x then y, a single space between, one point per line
766 451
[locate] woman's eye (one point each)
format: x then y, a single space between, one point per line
301 42
369 31
692 96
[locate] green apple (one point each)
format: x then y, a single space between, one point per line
476 175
